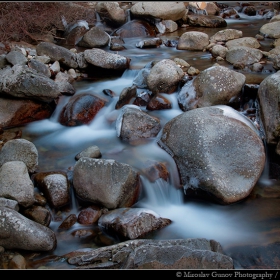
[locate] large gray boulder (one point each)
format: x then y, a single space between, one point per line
57 53
15 183
243 55
166 10
107 60
271 30
245 42
134 124
214 86
24 82
268 94
20 233
193 41
96 37
111 13
217 150
164 77
106 182
16 57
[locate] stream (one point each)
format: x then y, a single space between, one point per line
252 221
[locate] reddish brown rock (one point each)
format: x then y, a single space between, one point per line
68 222
18 112
135 28
38 214
84 233
158 103
89 216
6 135
81 109
156 170
126 95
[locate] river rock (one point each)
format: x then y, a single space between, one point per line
16 184
20 150
158 102
39 67
68 222
92 152
213 86
20 233
38 214
189 253
106 182
55 186
193 41
164 77
103 59
210 21
18 112
82 63
243 55
132 223
217 150
75 35
276 61
6 135
226 35
211 8
271 30
17 262
149 43
90 215
250 42
135 28
81 109
167 26
111 13
16 57
275 18
24 82
125 96
218 51
134 124
57 53
166 10
96 37
140 80
268 94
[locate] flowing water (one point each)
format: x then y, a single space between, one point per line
247 222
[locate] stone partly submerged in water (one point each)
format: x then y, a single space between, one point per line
217 150
19 232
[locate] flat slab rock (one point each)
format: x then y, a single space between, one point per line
197 253
132 223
